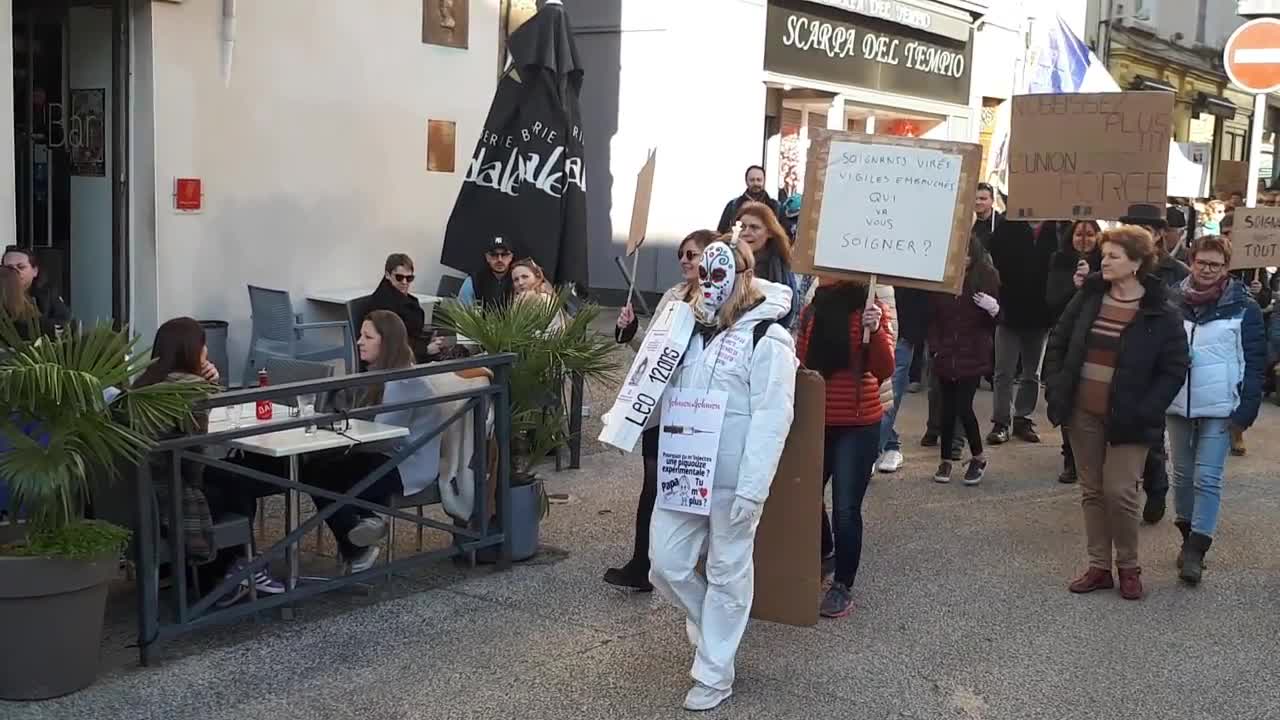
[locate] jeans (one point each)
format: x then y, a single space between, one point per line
1199 448
849 458
957 409
1012 345
904 353
342 474
1155 474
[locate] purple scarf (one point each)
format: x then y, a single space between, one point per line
1196 295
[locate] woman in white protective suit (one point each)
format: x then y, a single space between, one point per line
752 367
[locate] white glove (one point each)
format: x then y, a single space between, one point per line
745 510
986 302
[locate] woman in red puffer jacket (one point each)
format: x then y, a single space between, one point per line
961 339
830 342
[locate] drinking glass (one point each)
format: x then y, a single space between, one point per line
233 415
306 409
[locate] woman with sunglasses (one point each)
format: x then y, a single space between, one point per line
1221 393
392 295
635 574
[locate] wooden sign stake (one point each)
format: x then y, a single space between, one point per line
871 302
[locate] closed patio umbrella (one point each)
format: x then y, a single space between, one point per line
527 180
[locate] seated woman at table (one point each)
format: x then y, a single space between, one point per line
17 307
392 294
383 345
180 355
531 285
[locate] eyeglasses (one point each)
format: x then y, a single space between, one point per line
690 255
403 278
499 254
1211 266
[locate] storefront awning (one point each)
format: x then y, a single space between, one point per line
924 15
1215 105
1142 82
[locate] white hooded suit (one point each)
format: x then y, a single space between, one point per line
760 384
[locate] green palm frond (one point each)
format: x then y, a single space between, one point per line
59 432
545 358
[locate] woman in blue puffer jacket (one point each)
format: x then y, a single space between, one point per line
1222 392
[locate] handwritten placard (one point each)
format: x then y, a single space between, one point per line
1232 177
896 208
1255 238
1088 156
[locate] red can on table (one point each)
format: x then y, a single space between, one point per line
264 406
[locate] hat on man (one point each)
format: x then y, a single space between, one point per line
498 245
1145 215
1176 217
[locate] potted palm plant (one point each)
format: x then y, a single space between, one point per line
550 347
59 434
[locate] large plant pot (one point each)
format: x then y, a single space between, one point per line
51 613
526 522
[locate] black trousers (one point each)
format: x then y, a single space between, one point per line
339 475
648 497
1155 473
957 405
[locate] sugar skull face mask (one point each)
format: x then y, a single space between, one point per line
716 275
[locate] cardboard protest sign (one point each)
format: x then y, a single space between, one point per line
1088 156
640 206
1189 169
899 209
659 356
1232 177
1255 238
788 541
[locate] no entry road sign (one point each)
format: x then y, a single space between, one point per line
1252 57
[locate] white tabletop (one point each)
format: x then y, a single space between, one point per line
344 296
286 443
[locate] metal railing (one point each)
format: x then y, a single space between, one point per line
476 535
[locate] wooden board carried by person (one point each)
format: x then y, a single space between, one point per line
1255 238
788 546
1232 177
898 210
1088 156
640 205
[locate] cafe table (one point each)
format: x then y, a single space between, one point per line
294 443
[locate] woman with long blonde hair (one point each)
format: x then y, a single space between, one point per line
740 358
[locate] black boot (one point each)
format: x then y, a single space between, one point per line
1193 557
1184 527
634 575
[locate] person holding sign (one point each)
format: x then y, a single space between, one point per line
1222 393
725 417
961 330
635 574
1114 363
1078 257
831 342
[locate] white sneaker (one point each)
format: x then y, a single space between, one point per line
365 559
701 698
367 532
890 461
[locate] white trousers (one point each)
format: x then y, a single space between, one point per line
719 606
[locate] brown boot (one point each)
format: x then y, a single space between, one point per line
1092 579
1131 583
1237 442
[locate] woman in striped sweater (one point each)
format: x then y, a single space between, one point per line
1115 361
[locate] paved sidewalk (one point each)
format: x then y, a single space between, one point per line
962 613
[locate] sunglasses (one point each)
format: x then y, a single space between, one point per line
689 255
499 254
403 278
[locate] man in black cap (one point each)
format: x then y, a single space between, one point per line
1156 220
491 284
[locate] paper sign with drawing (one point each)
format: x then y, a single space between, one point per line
688 443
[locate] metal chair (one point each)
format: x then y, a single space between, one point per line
278 333
356 311
450 286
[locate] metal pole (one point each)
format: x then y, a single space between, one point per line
1259 121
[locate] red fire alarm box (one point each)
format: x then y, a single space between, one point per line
188 195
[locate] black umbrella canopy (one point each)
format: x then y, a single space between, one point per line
527 179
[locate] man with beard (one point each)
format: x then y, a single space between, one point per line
755 193
490 285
